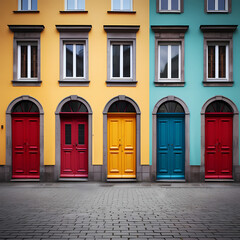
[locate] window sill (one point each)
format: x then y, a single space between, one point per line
217 83
218 12
26 11
74 83
169 12
29 83
169 84
127 12
121 83
74 11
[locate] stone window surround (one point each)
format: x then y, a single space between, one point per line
154 135
121 34
8 165
168 34
26 33
138 137
216 11
235 150
74 33
58 133
218 34
170 11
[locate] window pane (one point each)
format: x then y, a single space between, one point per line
211 61
116 60
164 5
70 4
69 60
175 61
221 4
34 61
81 4
24 4
34 4
163 61
81 134
222 61
79 60
127 5
211 4
126 60
116 5
24 63
68 134
175 5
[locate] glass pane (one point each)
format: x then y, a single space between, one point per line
24 4
81 4
25 106
24 63
222 61
34 61
34 4
221 4
68 134
170 107
69 60
175 5
74 106
126 60
211 61
116 5
211 5
81 134
127 5
122 106
116 60
175 61
163 61
80 60
219 106
70 4
164 5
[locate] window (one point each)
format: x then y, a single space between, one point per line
121 5
218 55
169 55
26 54
220 6
27 5
169 6
74 55
121 47
77 5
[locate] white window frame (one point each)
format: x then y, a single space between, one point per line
29 5
169 78
121 61
216 45
75 6
28 61
121 6
170 6
74 77
216 7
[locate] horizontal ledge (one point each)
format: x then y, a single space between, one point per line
217 84
127 12
73 179
119 83
26 28
74 28
72 11
26 11
169 12
121 28
169 84
169 28
72 83
218 28
26 83
119 180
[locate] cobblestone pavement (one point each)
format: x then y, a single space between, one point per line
119 211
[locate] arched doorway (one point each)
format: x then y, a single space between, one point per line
170 139
121 138
24 127
73 137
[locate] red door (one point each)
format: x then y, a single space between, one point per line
25 146
218 145
74 146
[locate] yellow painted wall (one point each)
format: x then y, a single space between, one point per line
97 94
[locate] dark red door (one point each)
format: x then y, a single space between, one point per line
218 145
25 146
74 146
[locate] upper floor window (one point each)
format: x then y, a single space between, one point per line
171 6
77 5
218 6
27 5
121 5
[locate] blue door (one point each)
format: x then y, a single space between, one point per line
170 146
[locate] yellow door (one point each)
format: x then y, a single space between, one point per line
121 145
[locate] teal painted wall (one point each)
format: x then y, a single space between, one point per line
194 94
